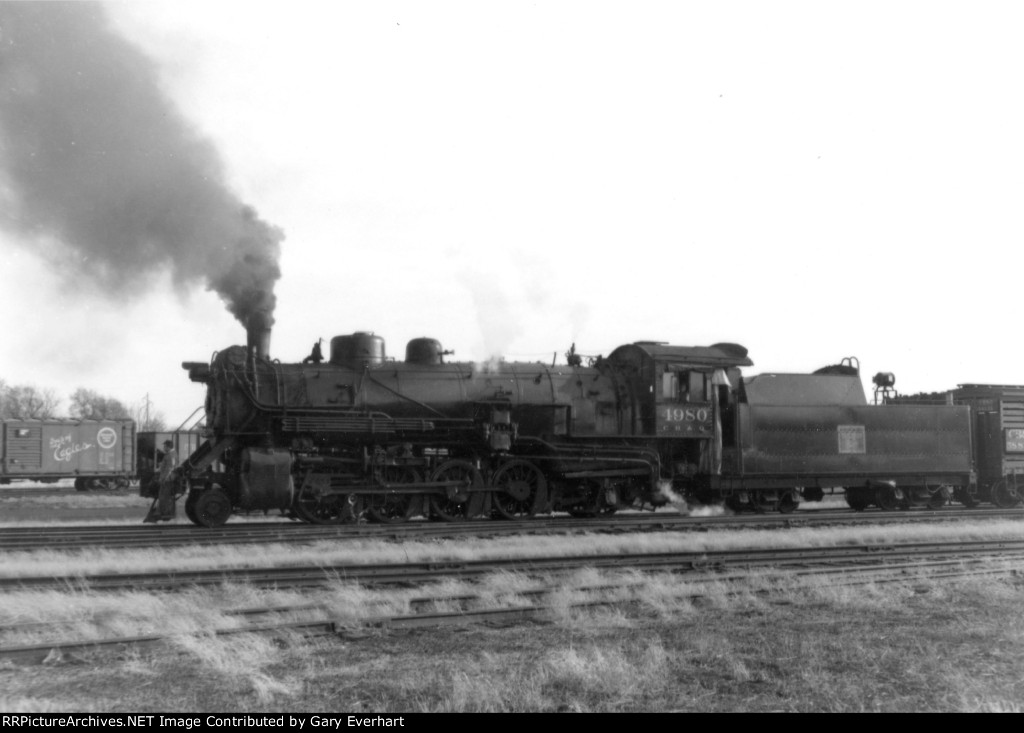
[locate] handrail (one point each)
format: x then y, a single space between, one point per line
193 414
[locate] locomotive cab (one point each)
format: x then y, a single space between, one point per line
679 392
684 397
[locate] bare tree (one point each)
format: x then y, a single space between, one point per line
26 402
147 420
90 405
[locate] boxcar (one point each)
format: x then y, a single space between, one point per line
95 453
997 417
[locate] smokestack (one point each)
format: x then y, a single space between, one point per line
257 331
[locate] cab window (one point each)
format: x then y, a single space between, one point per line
669 385
690 386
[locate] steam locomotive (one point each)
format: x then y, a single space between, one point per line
366 436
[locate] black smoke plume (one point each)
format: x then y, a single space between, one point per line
102 172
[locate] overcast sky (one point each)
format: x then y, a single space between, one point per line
812 180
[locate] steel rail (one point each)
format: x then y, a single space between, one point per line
113 536
878 572
419 572
55 650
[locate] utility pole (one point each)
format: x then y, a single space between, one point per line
146 403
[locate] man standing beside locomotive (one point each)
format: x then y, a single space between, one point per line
163 508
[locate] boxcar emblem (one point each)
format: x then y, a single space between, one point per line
107 438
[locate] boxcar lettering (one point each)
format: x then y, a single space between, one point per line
64 449
1014 440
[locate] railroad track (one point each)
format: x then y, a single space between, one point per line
319 619
415 573
15 492
35 489
113 536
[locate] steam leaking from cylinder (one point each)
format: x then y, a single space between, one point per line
100 169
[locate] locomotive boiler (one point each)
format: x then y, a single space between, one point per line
362 435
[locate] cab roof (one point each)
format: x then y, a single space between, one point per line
717 355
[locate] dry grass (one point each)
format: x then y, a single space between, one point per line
368 551
680 645
773 642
